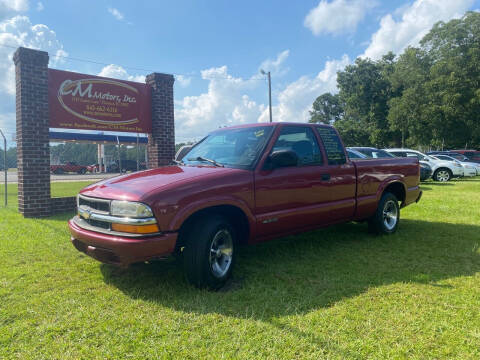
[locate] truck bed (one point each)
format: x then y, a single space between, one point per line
373 175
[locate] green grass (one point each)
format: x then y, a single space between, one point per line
57 189
333 293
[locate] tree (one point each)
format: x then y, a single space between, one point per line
438 84
365 90
327 109
405 116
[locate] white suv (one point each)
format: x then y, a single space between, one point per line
442 170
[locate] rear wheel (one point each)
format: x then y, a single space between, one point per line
82 171
387 216
442 175
58 171
209 253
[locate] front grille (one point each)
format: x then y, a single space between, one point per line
99 205
99 224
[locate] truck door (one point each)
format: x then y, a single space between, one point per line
299 197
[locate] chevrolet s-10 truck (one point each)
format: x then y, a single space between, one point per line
240 185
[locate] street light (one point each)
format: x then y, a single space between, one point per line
269 91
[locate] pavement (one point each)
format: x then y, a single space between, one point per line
13 178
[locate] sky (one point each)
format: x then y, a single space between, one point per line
216 48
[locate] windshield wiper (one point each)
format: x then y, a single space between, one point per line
201 158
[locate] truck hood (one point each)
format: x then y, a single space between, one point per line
135 186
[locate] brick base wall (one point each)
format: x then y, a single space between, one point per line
33 143
161 142
33 147
63 205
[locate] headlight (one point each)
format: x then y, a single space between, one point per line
130 209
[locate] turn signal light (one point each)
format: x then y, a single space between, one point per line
136 229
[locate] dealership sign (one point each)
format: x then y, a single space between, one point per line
79 101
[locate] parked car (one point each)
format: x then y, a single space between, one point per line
127 165
472 155
354 154
68 168
425 171
453 154
94 168
239 185
469 168
372 152
442 170
182 152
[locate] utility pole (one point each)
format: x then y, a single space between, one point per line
119 157
5 164
138 161
269 92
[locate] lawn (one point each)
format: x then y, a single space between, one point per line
334 293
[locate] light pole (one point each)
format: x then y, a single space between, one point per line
5 165
269 91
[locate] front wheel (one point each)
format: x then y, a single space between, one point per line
209 253
387 216
442 175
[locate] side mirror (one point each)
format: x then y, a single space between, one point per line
282 158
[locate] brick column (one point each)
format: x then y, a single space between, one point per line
33 148
161 142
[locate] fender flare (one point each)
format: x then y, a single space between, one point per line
179 218
387 182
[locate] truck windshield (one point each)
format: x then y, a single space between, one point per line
239 148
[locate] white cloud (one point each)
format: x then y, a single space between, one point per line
40 6
416 20
182 80
7 125
337 16
116 13
15 32
10 7
19 31
225 103
295 101
276 66
118 72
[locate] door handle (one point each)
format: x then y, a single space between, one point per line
325 177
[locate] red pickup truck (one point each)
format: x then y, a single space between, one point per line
240 185
68 167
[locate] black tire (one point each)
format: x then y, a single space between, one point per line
380 222
82 171
58 171
198 253
442 175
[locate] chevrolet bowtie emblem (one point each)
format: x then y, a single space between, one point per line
85 214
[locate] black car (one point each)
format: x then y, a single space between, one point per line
127 165
425 171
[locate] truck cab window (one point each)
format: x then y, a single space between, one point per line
333 146
302 141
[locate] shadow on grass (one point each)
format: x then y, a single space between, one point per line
301 273
440 184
